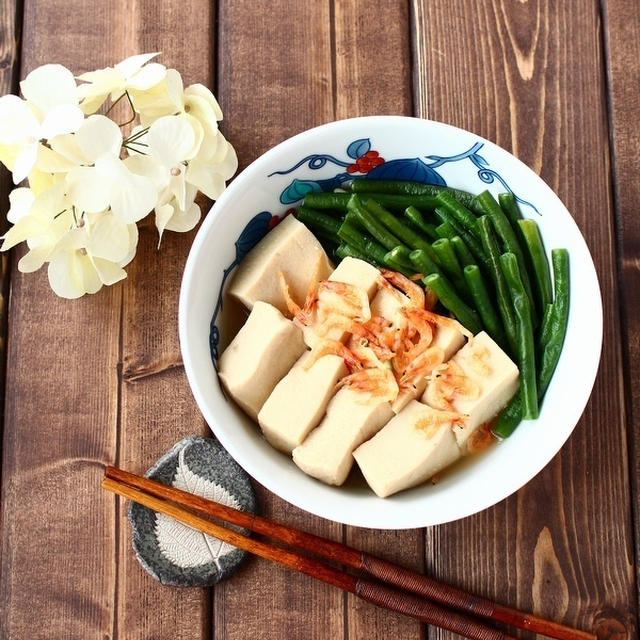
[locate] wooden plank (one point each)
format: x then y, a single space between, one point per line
157 407
10 27
274 80
370 84
58 545
530 77
622 45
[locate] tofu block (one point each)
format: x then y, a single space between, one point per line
357 272
352 417
412 447
259 356
299 401
446 338
350 271
492 380
388 304
291 248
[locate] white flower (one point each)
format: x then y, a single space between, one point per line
171 141
132 74
42 221
212 167
172 217
50 109
92 255
109 183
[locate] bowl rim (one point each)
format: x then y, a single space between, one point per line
189 276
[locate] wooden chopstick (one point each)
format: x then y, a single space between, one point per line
371 591
337 552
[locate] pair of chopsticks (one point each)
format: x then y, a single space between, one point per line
411 593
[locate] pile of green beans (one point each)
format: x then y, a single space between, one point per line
487 265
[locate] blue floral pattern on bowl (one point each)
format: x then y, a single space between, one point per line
362 161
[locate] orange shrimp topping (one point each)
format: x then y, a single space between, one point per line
448 381
430 422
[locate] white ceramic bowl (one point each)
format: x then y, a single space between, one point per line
411 148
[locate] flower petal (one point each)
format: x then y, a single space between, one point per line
108 272
148 167
61 119
163 215
99 135
149 76
17 120
108 238
68 147
205 93
50 161
8 154
64 276
185 220
133 245
25 162
49 86
20 201
89 273
40 181
130 65
133 201
170 139
34 259
88 190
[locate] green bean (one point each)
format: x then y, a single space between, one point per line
335 201
464 255
510 243
510 418
539 262
559 319
503 298
510 208
452 301
326 200
545 326
371 224
318 220
463 216
407 187
482 302
423 262
445 230
365 244
450 264
396 226
470 240
347 251
398 259
526 345
417 219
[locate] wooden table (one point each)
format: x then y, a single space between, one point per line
100 380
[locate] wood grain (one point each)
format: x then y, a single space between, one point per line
562 545
622 43
157 408
371 84
10 27
274 80
61 412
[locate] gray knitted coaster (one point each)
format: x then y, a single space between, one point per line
172 552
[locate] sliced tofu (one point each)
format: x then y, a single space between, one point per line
352 417
491 381
351 271
412 447
299 400
291 248
359 273
259 356
446 338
